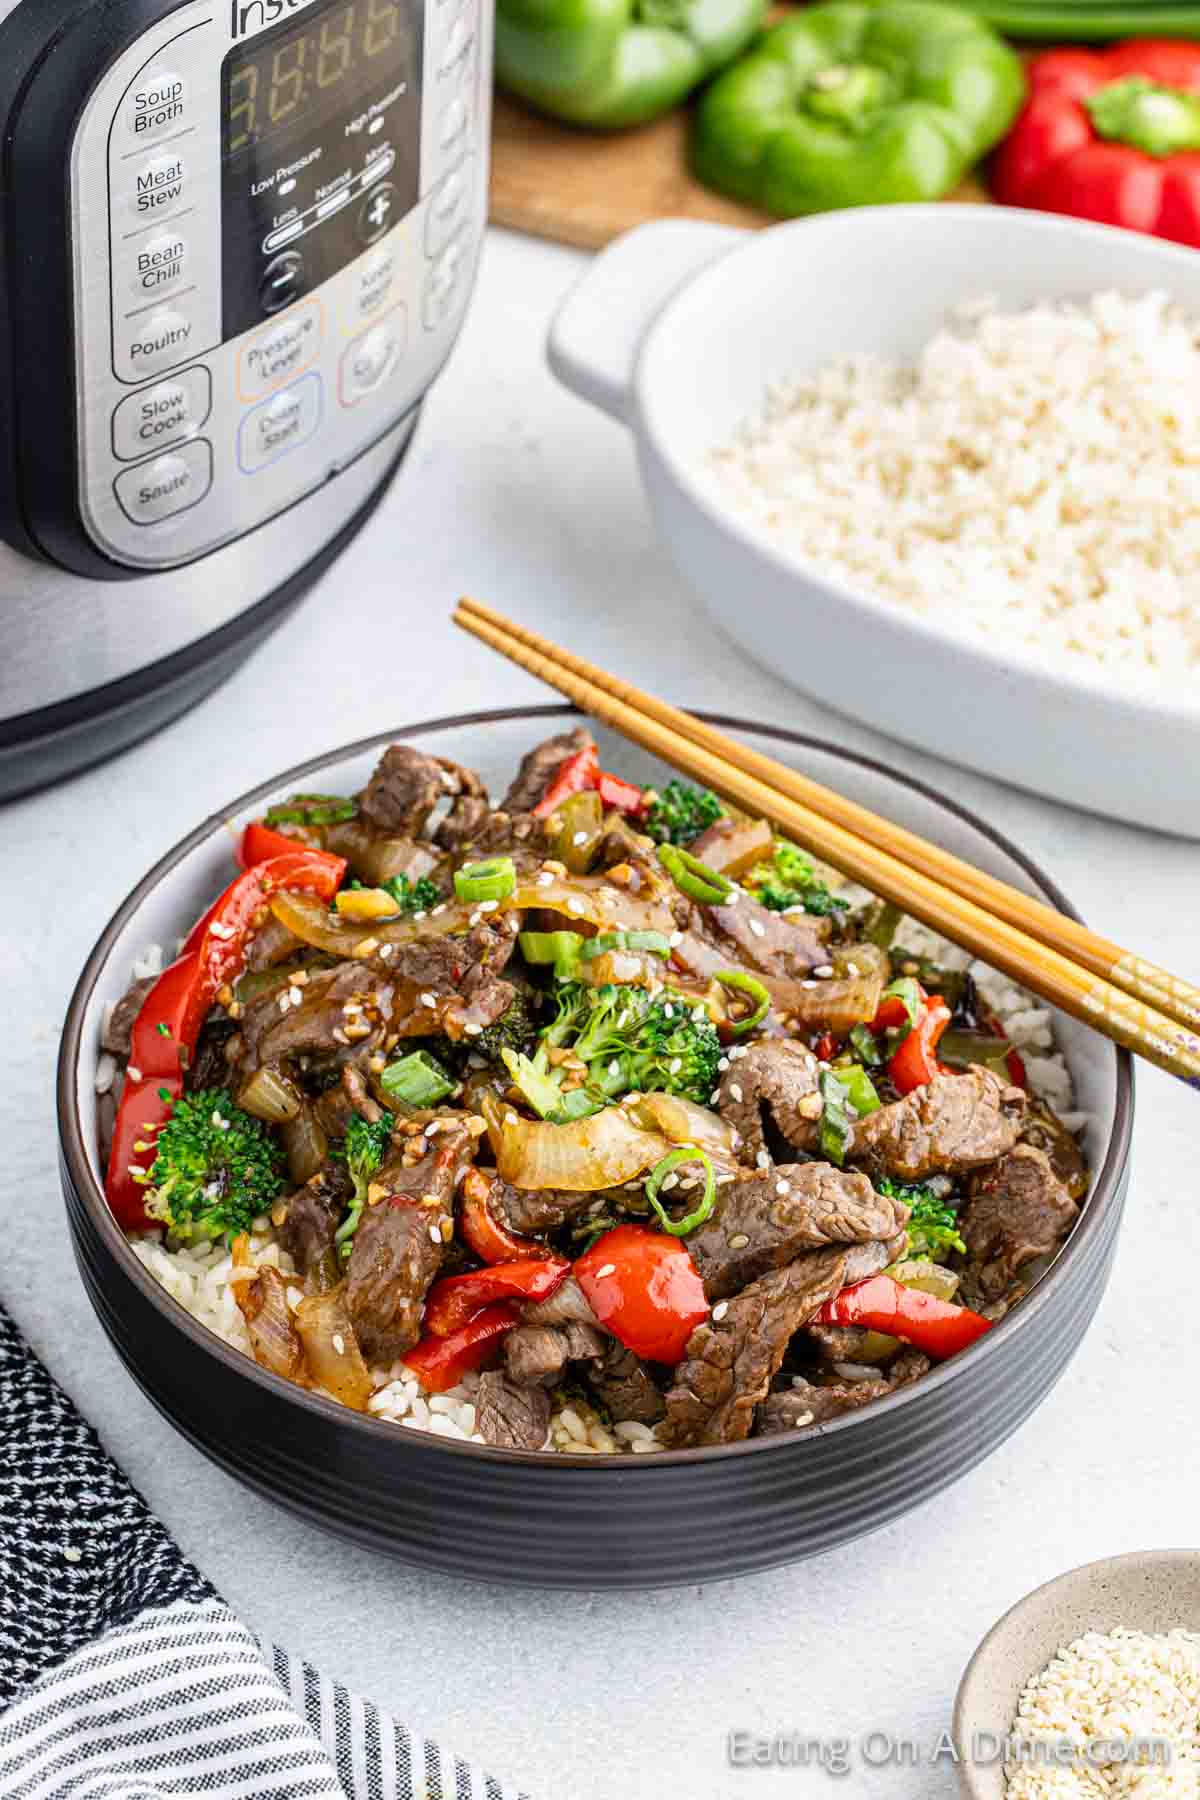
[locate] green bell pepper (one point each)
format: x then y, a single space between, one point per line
851 105
614 63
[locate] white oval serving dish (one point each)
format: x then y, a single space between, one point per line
678 329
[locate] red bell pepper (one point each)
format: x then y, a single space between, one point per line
827 1047
643 1287
165 1031
914 1061
491 1241
622 796
582 771
1111 135
922 1320
145 1105
1014 1062
456 1299
441 1362
259 842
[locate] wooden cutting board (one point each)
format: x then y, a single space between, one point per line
585 188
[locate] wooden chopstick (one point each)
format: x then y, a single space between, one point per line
1037 965
1176 998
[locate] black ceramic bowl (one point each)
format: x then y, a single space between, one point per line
578 1522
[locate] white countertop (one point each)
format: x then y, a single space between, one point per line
518 493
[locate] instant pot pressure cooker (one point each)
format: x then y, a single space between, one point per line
238 240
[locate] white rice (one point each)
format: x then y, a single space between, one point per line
1109 1690
1034 476
198 1275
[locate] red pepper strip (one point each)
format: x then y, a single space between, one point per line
915 1061
893 1014
643 1287
622 795
574 776
491 1241
441 1362
456 1299
826 1047
916 1318
1013 1062
165 1030
143 1109
1057 159
258 843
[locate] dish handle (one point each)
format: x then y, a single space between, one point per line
597 331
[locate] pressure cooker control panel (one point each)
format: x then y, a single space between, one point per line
276 207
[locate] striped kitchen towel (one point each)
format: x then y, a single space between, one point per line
123 1674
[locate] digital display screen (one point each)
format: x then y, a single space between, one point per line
314 71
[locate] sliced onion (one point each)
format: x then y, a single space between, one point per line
262 1301
335 1361
580 1158
306 1144
683 1122
597 900
271 1096
845 1000
313 922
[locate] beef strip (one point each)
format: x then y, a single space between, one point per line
270 1033
730 1362
748 935
509 1415
399 1243
566 1306
402 792
837 1343
622 1383
469 810
116 1034
314 1213
771 1094
519 835
753 1228
273 942
1014 1212
536 1211
952 1124
539 767
1046 1131
350 1099
542 1352
815 1403
210 1064
461 974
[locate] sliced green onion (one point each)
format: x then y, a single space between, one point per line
907 991
580 1103
860 1088
417 1080
493 879
692 877
835 1120
558 948
653 941
312 809
686 1153
759 997
865 1047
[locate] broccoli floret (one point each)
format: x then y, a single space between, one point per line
216 1169
790 879
680 812
364 1148
633 1040
933 1227
514 1030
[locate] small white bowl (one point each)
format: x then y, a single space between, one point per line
1148 1590
678 329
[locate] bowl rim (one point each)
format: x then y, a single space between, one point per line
1001 658
1035 1600
77 1166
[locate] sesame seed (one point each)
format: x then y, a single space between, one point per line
574 904
668 1011
675 939
133 1074
737 1052
474 918
735 1093
714 1096
472 1029
386 952
761 1159
339 1343
719 1310
608 1269
614 1067
851 968
435 1234
545 879
823 971
739 1241
486 906
221 931
781 1187
430 1001
418 916
723 1063
735 1140
675 1065
339 1035
439 909
758 928
580 837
